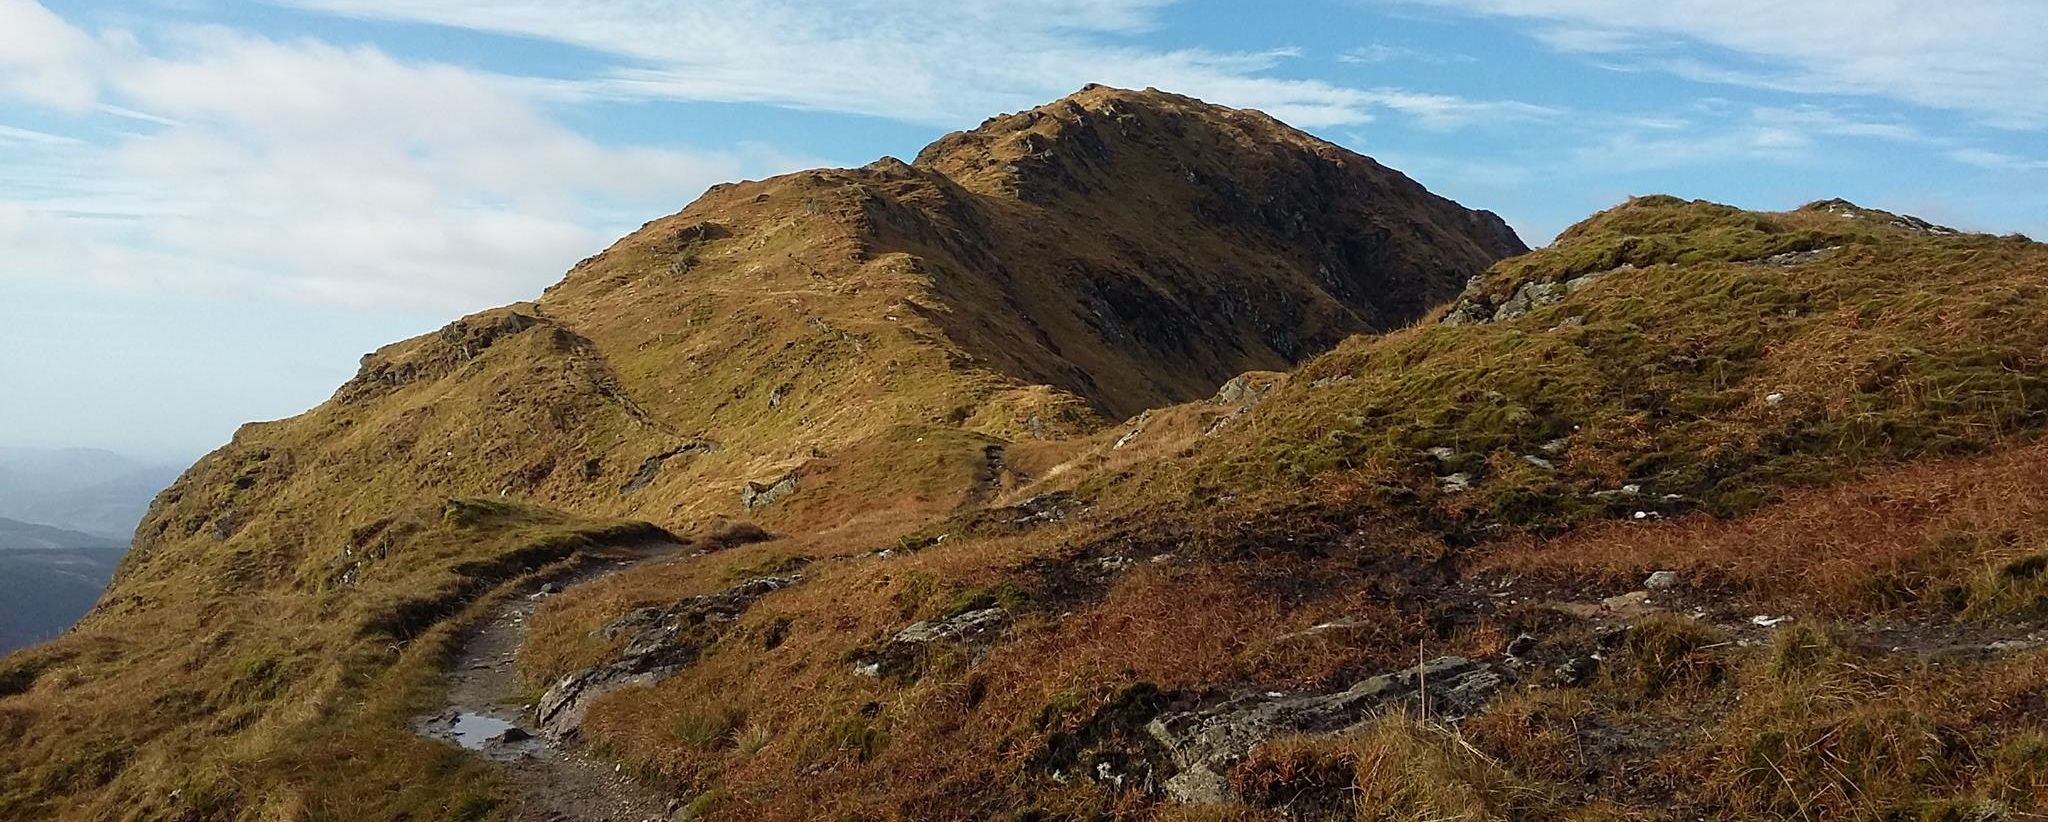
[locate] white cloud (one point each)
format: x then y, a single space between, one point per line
1443 111
1983 57
1996 160
1829 122
938 62
43 59
342 175
1377 53
1640 151
217 160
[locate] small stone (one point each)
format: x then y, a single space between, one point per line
1114 564
1539 462
1661 580
1455 483
1441 453
1577 671
1629 601
1774 399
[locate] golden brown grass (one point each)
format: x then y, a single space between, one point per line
1947 538
287 706
1863 491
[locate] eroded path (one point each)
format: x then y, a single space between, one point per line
490 712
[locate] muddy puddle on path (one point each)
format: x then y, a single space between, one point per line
488 712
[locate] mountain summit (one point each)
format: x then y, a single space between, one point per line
1028 280
1128 248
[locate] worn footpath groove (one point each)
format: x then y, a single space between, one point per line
490 712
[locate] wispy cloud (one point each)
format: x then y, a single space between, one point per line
351 175
346 176
1996 160
26 135
1982 57
1377 53
939 62
1440 111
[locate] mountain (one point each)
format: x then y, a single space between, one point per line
49 578
81 489
1130 457
843 352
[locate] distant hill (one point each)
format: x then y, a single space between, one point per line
79 489
49 577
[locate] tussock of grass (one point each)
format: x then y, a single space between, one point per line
1664 654
1823 732
1394 769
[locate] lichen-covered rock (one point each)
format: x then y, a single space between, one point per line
658 642
762 494
1205 744
899 657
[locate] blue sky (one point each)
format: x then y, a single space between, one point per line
209 209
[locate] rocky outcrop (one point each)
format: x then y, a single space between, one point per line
763 494
658 642
901 655
1204 745
650 468
1479 310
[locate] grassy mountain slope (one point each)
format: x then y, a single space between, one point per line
849 353
1825 414
1826 421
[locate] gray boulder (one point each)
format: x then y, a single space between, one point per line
760 495
901 654
1204 745
658 642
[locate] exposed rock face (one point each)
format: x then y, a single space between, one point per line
1245 389
1204 745
659 641
1529 297
762 494
900 656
